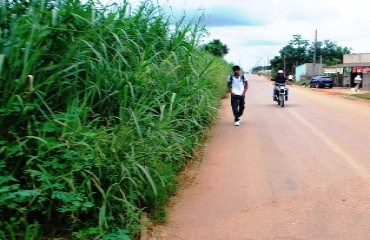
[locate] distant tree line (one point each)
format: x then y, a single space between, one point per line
299 51
261 68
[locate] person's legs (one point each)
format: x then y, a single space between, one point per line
241 104
234 106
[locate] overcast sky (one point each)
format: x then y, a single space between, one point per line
255 30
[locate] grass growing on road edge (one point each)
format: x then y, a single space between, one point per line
301 82
362 95
100 108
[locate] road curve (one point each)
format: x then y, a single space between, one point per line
298 172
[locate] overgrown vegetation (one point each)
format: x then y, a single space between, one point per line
100 107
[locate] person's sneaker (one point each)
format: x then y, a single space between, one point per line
237 123
240 119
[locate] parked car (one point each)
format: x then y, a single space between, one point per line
321 82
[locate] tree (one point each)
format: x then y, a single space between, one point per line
292 55
299 51
216 48
330 53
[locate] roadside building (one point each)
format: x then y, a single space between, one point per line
353 65
337 75
308 70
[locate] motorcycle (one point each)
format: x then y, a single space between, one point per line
280 94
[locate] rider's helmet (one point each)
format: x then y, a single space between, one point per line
280 71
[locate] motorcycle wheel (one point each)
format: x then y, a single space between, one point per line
281 101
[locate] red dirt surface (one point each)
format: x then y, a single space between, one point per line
298 172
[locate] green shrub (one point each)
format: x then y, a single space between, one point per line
101 108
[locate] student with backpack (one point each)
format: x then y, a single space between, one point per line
238 86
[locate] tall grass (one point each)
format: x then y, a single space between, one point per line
100 108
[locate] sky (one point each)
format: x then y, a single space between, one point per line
255 30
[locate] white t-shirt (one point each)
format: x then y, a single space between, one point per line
237 84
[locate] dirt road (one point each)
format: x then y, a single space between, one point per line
298 172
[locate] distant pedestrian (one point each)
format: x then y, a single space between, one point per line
290 77
357 80
238 86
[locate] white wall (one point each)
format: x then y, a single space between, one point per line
356 58
346 78
366 81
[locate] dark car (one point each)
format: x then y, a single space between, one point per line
321 82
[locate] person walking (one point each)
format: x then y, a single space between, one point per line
238 86
290 78
358 80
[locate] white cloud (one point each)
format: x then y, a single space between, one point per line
343 22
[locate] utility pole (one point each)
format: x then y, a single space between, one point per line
314 55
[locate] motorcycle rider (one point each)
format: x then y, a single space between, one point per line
280 79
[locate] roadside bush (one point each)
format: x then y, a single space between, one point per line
101 106
302 83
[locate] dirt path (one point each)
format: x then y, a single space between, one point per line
299 172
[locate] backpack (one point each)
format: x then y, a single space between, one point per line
231 78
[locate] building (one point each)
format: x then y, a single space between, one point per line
308 70
353 65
